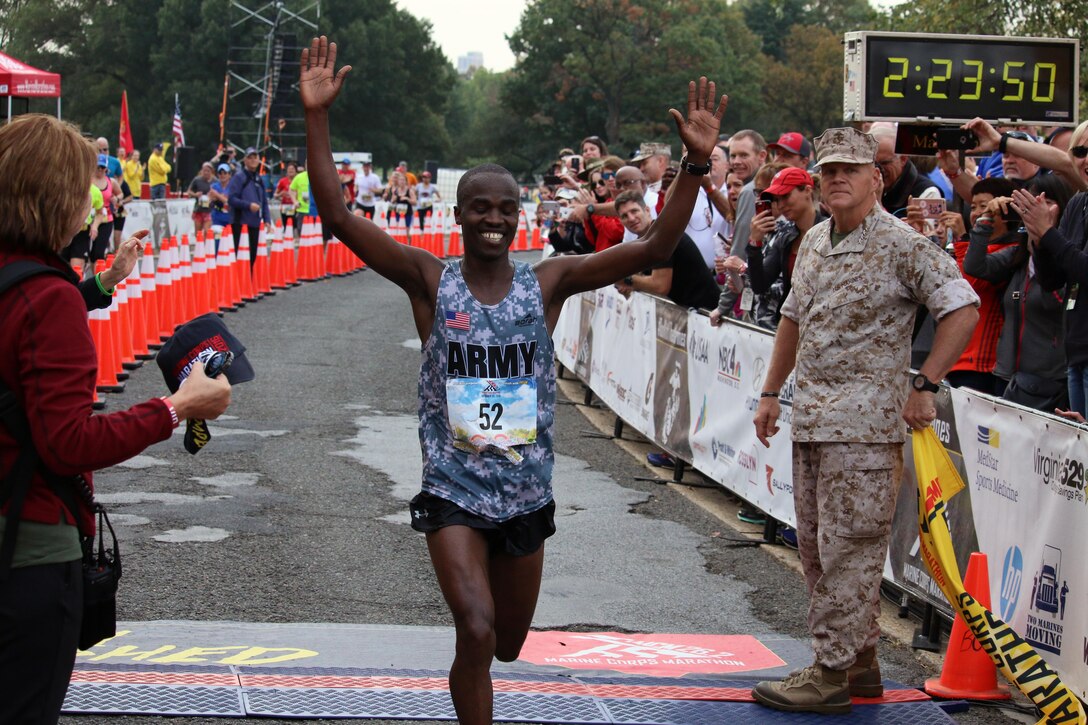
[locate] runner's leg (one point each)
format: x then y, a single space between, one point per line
515 585
460 558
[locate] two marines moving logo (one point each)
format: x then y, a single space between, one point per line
1049 592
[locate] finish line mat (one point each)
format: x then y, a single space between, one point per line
230 669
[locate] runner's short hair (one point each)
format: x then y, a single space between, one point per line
629 196
481 170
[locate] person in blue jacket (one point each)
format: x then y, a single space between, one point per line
248 202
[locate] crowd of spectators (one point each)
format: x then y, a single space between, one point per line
760 199
1015 218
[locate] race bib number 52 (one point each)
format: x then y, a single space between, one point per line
491 414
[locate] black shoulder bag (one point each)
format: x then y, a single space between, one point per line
101 566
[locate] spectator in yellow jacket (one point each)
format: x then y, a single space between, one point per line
133 171
157 169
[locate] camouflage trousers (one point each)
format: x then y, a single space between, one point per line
845 495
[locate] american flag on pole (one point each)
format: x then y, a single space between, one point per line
457 320
179 133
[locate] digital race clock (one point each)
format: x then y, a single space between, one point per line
926 78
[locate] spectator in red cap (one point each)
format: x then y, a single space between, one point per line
792 149
775 238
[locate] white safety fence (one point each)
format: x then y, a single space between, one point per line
693 390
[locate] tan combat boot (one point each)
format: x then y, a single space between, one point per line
813 689
864 675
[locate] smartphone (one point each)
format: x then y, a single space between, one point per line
550 207
552 180
762 205
956 138
932 208
575 164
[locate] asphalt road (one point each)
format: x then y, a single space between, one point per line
296 510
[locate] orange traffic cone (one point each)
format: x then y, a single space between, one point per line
535 242
224 274
278 265
137 304
439 232
968 672
151 300
244 268
289 250
522 240
455 242
211 277
166 291
106 380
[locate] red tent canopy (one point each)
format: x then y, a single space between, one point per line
19 79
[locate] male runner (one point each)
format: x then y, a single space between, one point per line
487 382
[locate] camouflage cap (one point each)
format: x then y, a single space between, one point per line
647 150
845 146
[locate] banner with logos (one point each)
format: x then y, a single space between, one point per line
692 389
726 366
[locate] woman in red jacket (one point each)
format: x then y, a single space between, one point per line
47 360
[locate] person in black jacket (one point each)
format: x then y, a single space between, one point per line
773 243
1062 262
1030 350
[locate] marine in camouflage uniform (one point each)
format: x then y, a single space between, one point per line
858 280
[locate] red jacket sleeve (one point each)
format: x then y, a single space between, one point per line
50 364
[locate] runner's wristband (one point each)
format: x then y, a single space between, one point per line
768 394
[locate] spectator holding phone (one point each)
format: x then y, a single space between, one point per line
1062 262
773 243
975 368
1030 350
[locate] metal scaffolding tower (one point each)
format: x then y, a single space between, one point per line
260 98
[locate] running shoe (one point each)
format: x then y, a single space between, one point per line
661 460
788 536
751 515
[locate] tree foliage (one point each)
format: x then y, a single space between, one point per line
393 104
614 67
605 67
805 87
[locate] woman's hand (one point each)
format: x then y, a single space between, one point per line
953 220
1038 215
762 225
201 397
125 260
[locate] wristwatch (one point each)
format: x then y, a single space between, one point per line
589 209
694 169
922 383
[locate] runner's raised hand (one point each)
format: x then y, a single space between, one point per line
699 131
318 82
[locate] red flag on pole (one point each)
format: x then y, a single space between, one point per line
125 134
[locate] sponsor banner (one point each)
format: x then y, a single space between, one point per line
1026 475
938 482
671 410
669 655
726 367
627 377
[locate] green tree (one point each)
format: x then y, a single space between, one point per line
397 94
615 66
805 87
772 20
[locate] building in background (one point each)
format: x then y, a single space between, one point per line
470 62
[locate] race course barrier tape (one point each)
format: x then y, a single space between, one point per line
692 389
1017 660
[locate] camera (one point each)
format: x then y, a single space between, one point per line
932 208
956 139
549 207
